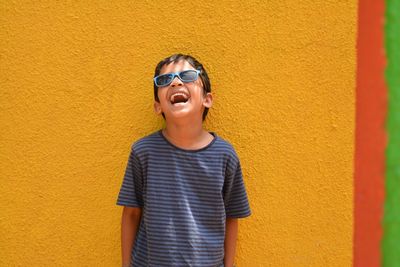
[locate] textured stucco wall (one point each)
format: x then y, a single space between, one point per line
76 91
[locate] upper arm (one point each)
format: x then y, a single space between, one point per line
234 191
131 190
132 211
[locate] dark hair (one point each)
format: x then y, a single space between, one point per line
195 64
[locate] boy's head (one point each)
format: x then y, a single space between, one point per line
194 76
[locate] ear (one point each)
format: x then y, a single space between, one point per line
208 100
157 108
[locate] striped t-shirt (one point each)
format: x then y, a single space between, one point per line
185 196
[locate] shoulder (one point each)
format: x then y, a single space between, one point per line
145 143
226 148
231 158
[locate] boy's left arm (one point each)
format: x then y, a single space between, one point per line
231 232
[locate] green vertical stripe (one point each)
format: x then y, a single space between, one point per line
391 221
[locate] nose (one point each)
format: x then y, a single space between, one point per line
176 82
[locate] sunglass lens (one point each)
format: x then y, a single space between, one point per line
188 75
164 79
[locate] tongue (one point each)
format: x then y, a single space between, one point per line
179 99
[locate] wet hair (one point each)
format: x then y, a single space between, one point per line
195 64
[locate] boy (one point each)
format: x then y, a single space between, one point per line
183 189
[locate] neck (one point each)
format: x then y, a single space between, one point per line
190 136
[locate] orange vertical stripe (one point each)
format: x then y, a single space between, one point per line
370 135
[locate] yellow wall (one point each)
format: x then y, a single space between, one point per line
76 91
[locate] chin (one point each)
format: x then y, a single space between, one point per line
181 115
177 115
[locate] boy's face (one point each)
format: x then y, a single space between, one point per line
181 101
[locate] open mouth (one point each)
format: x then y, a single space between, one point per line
179 97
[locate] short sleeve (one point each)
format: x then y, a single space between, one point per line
234 192
131 190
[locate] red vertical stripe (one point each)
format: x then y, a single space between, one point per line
370 140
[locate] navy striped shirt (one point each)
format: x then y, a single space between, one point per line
185 196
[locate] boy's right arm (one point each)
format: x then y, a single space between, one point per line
129 226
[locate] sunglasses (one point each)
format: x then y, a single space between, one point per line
185 76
